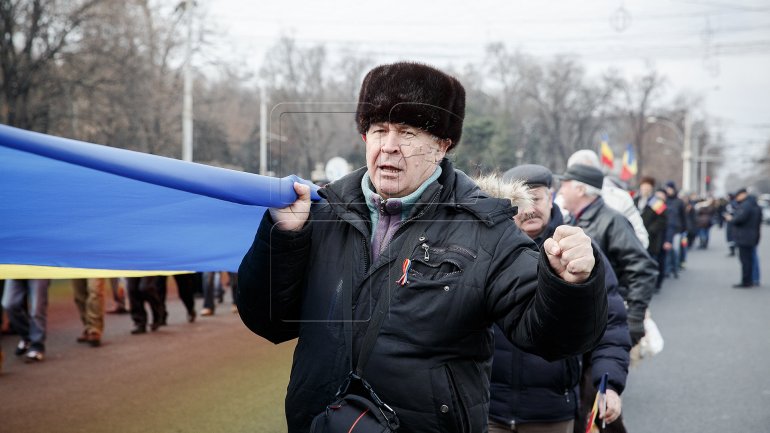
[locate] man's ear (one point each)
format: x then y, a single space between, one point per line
445 144
363 137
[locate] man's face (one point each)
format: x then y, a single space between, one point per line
400 157
532 220
570 192
740 197
645 189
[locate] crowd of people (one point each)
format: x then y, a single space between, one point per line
25 304
500 303
450 332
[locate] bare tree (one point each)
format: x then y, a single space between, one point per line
640 98
568 107
33 34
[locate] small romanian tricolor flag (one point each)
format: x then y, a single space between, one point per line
657 205
608 158
629 164
599 401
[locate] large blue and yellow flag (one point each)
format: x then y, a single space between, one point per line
73 209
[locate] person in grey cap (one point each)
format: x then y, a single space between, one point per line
637 272
614 197
528 393
411 236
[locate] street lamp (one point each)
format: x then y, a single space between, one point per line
684 137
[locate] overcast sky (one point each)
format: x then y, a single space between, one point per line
719 49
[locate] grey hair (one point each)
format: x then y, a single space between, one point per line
590 191
585 157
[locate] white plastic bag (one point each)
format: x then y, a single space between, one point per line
652 342
649 345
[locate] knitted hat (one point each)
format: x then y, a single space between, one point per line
414 94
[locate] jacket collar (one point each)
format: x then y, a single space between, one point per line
589 212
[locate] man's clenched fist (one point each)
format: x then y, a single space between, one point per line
570 253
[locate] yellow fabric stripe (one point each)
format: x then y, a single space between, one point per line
31 271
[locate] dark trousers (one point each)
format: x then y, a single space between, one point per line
661 268
746 256
186 285
141 290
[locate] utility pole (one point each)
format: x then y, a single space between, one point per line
262 130
187 101
688 157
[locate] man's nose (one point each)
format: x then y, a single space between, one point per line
391 142
523 210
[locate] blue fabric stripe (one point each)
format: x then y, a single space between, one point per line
66 203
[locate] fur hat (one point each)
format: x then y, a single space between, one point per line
414 94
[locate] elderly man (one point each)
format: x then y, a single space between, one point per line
581 190
528 393
409 235
614 197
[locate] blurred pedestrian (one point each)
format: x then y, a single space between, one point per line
652 205
26 302
213 292
141 290
186 285
704 219
89 299
747 220
118 290
677 226
730 228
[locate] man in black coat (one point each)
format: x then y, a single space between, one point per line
636 270
446 259
677 226
746 221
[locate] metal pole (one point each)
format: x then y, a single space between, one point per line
187 101
262 130
687 155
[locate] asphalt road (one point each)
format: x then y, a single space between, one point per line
713 374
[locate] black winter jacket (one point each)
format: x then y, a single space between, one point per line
432 359
747 220
526 388
637 272
656 225
677 218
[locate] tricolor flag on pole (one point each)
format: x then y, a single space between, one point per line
608 158
599 401
629 164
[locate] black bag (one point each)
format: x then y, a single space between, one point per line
355 413
357 408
